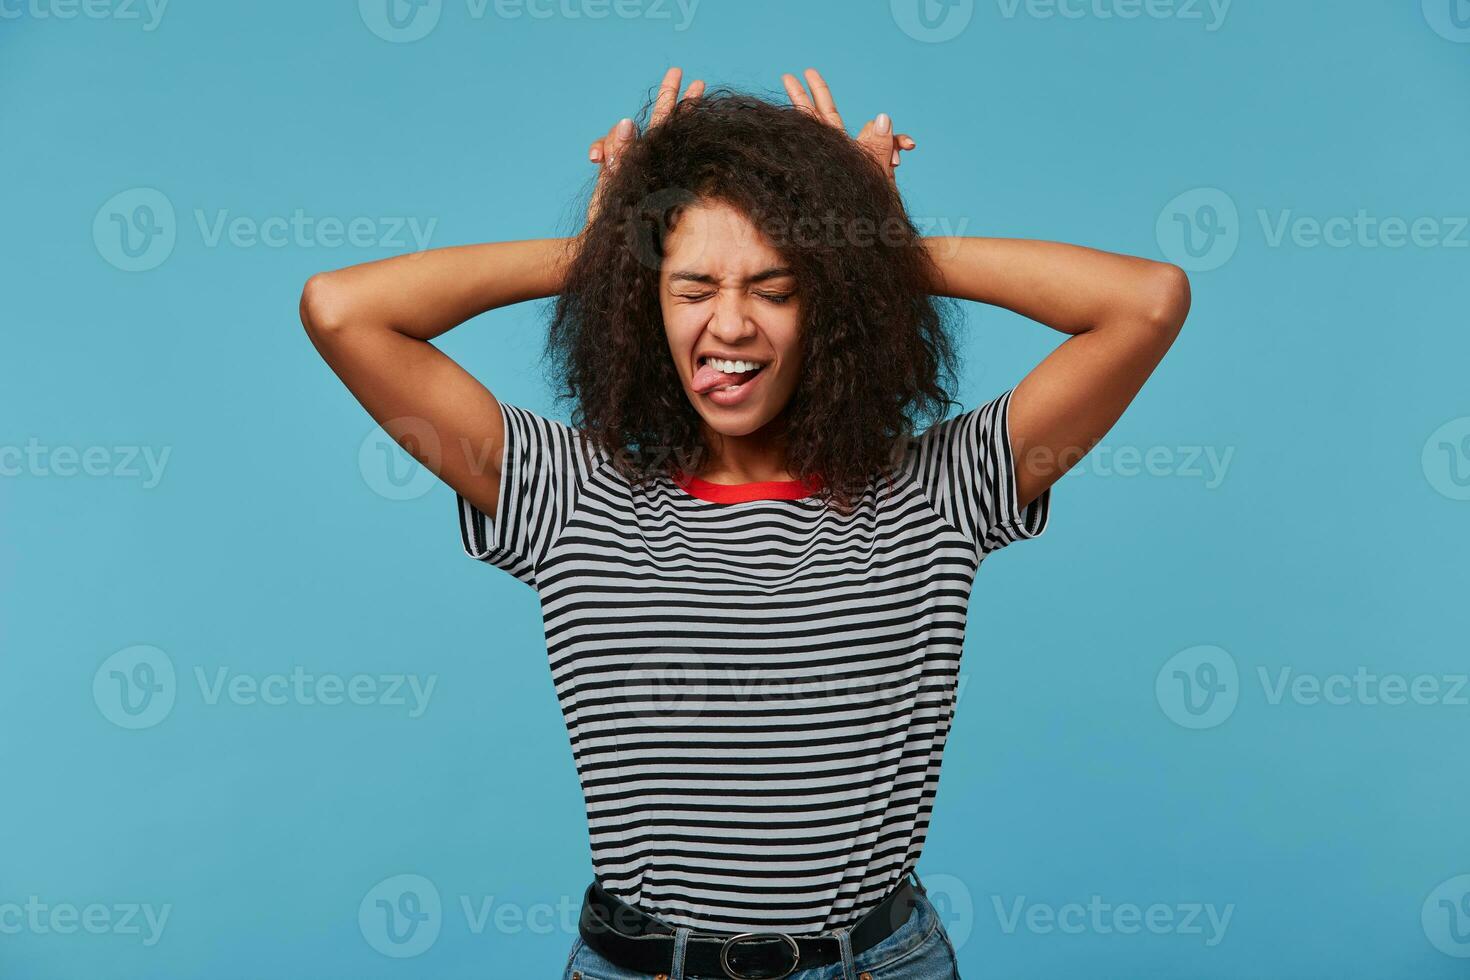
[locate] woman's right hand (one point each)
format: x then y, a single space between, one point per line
605 150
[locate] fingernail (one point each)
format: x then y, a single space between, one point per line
895 158
885 125
625 128
593 154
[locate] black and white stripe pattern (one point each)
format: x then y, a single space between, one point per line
757 693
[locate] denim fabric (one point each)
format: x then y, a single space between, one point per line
918 950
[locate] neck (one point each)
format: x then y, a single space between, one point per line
754 458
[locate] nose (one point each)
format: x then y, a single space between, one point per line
729 321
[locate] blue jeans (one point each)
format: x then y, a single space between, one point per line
917 950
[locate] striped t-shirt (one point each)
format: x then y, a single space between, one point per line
757 689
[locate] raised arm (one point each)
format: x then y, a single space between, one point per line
372 323
1123 314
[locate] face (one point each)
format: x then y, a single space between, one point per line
731 315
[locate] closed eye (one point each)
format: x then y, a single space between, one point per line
776 298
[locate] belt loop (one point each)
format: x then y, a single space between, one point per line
681 943
844 943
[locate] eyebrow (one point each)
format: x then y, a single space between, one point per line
685 275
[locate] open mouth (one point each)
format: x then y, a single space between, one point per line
724 374
726 381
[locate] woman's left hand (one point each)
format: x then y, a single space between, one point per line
876 138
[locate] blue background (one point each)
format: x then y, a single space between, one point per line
1333 542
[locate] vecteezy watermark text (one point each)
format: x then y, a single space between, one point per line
1201 229
1210 13
405 21
1123 918
147 12
145 463
39 918
402 916
1201 686
137 229
137 687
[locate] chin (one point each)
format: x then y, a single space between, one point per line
734 423
739 421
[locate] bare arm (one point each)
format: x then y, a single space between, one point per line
372 323
1122 312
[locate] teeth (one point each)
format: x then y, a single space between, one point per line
731 367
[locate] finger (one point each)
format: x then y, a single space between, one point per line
894 163
620 138
874 144
695 90
797 94
668 94
823 96
594 152
906 142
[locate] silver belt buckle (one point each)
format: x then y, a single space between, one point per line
744 936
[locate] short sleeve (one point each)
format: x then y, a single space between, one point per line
967 467
544 467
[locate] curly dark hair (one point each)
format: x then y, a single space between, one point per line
877 356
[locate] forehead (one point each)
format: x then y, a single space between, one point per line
715 239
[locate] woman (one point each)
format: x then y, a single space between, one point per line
754 575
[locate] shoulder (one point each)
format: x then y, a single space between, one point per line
557 445
954 438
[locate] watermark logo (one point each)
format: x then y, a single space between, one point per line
1446 917
401 916
1201 686
650 222
951 898
1450 19
932 21
135 229
1199 230
388 458
400 21
670 684
135 687
1198 687
1446 459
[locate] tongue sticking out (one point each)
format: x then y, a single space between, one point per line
708 378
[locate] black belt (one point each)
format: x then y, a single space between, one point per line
635 940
